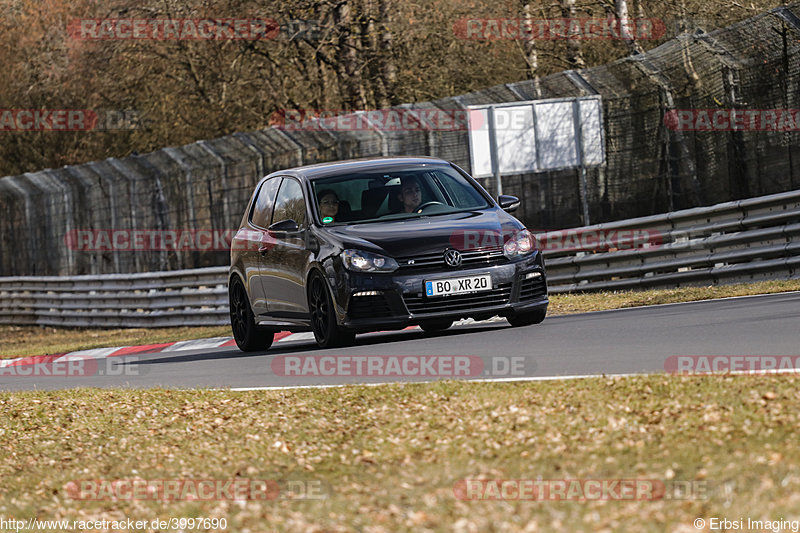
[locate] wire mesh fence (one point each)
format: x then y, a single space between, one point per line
651 167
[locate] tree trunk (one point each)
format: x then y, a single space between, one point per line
375 92
531 55
351 82
626 31
388 68
574 45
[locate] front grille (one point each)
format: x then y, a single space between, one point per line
472 258
369 307
419 304
532 289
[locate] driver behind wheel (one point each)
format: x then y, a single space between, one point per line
328 205
410 193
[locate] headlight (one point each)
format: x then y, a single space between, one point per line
361 261
521 243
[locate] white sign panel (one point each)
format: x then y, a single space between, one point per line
536 136
555 135
481 142
516 146
594 150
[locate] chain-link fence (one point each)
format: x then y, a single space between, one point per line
651 167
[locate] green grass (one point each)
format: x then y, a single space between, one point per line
390 456
18 341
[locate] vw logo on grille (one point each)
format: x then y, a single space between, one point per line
452 258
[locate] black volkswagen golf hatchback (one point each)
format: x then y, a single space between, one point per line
367 245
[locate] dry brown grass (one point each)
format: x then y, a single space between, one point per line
389 457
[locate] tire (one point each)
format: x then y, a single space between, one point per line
526 319
248 336
327 332
435 325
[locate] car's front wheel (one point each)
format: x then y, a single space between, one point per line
327 332
526 319
248 336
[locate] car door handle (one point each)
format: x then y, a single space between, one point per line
263 250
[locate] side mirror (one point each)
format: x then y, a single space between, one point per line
284 226
508 203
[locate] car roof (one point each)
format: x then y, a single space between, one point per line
321 170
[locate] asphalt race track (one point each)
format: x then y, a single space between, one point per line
608 342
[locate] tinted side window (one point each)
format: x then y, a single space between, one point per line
290 203
262 209
462 192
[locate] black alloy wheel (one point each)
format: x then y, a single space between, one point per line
327 333
248 336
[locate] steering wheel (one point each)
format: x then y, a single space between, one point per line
426 204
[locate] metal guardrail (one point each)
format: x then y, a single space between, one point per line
740 241
196 297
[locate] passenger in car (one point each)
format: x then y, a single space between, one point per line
328 205
410 194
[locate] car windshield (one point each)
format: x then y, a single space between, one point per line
394 195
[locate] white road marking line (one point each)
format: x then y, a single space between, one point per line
475 380
518 379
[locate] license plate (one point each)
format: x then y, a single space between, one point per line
452 286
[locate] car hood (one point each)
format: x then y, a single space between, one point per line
401 238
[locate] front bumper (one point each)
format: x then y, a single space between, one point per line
396 300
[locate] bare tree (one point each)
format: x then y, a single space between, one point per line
574 48
530 52
348 67
388 67
366 53
688 64
628 34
